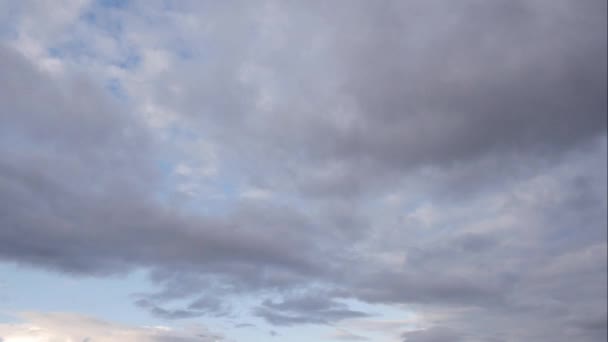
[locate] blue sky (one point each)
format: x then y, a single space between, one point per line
303 171
25 289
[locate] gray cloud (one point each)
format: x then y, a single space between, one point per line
166 313
83 198
306 309
404 86
484 123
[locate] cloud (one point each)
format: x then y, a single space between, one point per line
37 326
165 313
64 141
289 125
447 90
312 308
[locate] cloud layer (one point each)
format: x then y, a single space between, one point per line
449 158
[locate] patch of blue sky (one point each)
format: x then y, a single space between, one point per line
114 86
110 298
184 52
80 49
131 61
72 49
103 20
386 313
9 10
8 32
303 333
7 317
107 21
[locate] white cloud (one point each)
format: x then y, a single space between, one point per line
68 327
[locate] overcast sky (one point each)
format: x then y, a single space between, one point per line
344 170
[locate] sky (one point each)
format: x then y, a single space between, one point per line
345 170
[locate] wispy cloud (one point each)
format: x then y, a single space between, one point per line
36 326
